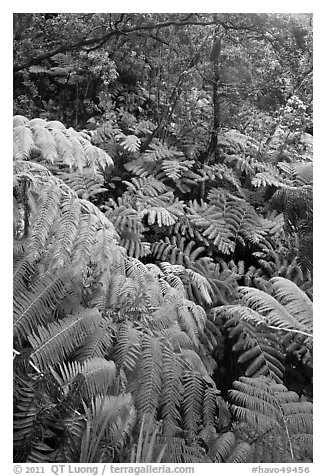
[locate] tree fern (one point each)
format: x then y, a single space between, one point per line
105 339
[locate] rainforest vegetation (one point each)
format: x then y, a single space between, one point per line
162 238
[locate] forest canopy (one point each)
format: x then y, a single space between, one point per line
163 274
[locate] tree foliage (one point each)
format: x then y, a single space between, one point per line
162 238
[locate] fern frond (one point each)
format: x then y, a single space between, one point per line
46 214
194 362
31 421
158 215
69 445
33 306
146 449
150 376
240 217
157 152
300 173
100 375
109 422
234 142
223 282
273 312
145 186
53 143
209 406
191 279
178 451
64 147
175 169
23 142
58 339
258 350
45 142
294 300
19 120
191 319
263 179
176 251
98 343
220 174
247 165
194 392
65 234
221 446
171 395
211 223
85 239
240 454
128 346
276 418
131 143
87 183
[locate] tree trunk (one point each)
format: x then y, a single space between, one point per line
215 58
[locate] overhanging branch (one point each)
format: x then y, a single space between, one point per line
104 39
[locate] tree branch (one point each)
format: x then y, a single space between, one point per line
105 38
